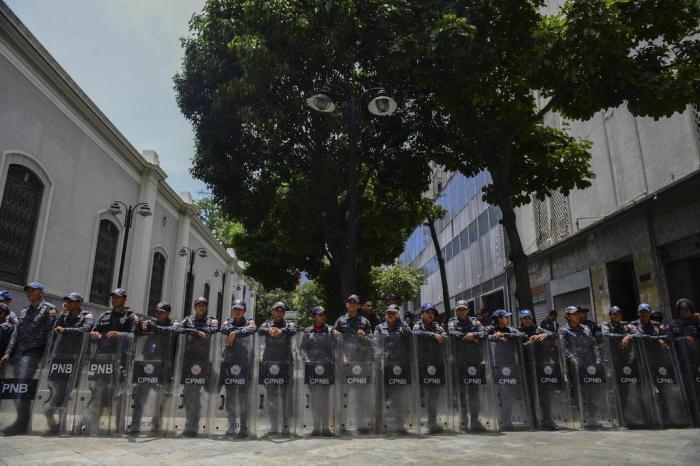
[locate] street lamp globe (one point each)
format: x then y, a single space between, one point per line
115 208
182 252
202 253
382 104
145 211
321 102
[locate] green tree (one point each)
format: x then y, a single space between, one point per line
278 168
305 297
480 64
402 280
266 298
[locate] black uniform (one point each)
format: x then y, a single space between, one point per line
239 357
196 354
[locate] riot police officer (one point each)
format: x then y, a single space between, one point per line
395 350
159 346
499 332
6 299
588 322
198 327
545 351
580 350
317 346
430 338
278 335
356 348
684 327
238 331
468 352
684 331
27 345
73 324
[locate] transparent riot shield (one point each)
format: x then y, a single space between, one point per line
688 353
666 385
57 381
274 398
634 395
150 383
231 410
18 387
397 411
549 385
509 375
356 384
434 413
191 385
474 396
594 387
99 402
315 386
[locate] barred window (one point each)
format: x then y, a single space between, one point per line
105 259
552 219
155 292
19 213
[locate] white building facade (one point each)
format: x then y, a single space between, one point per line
62 165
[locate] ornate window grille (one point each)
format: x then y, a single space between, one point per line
552 219
155 292
105 259
19 213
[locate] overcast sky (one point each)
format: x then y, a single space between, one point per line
123 54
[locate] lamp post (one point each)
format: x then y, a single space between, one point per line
192 253
116 208
220 303
381 104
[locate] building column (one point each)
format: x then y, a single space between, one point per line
177 287
140 243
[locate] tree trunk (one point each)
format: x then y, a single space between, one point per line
443 272
517 255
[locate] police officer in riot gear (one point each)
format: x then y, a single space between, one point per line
395 350
501 331
238 330
545 352
588 322
467 335
27 345
159 346
684 326
580 350
317 346
278 335
431 336
198 327
72 325
6 299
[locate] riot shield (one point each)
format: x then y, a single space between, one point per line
316 392
475 397
99 403
434 413
356 384
18 387
150 383
398 399
688 353
230 412
549 385
666 386
594 388
273 400
634 395
509 373
57 381
191 385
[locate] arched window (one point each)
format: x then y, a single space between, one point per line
105 258
219 306
19 212
155 292
207 291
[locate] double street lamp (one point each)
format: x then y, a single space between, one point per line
116 208
379 103
189 284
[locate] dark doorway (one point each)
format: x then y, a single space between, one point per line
683 279
493 301
622 284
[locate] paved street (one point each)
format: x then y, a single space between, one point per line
668 447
